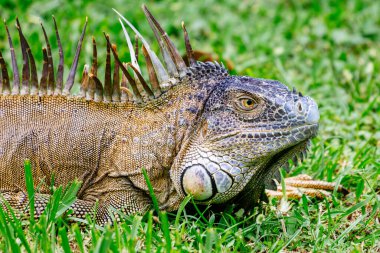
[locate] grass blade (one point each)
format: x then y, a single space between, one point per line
148 233
78 237
166 231
151 191
29 189
65 241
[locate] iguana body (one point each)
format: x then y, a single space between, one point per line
105 145
196 130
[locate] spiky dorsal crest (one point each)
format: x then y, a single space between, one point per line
48 85
133 87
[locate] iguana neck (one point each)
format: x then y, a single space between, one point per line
150 137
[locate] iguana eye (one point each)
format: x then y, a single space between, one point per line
246 104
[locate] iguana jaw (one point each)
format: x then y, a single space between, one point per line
268 176
216 177
295 153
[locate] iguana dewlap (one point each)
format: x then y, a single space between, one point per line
195 129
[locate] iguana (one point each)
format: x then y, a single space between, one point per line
195 129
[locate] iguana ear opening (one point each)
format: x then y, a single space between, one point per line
204 129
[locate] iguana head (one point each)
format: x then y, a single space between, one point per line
248 129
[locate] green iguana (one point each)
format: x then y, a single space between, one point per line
196 129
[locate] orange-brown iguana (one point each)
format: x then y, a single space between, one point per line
196 129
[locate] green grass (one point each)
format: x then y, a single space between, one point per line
329 50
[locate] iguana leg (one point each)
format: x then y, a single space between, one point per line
19 202
110 206
304 184
114 204
115 196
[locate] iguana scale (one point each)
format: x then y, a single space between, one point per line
195 129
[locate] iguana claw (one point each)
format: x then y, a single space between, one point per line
296 186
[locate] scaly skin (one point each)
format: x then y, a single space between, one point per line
217 137
105 145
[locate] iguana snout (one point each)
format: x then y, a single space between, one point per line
249 129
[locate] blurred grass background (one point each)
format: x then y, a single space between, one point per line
329 50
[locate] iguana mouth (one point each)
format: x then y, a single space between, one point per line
307 132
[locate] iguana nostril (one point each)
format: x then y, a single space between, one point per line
197 182
300 107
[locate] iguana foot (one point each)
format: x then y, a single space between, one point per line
296 186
